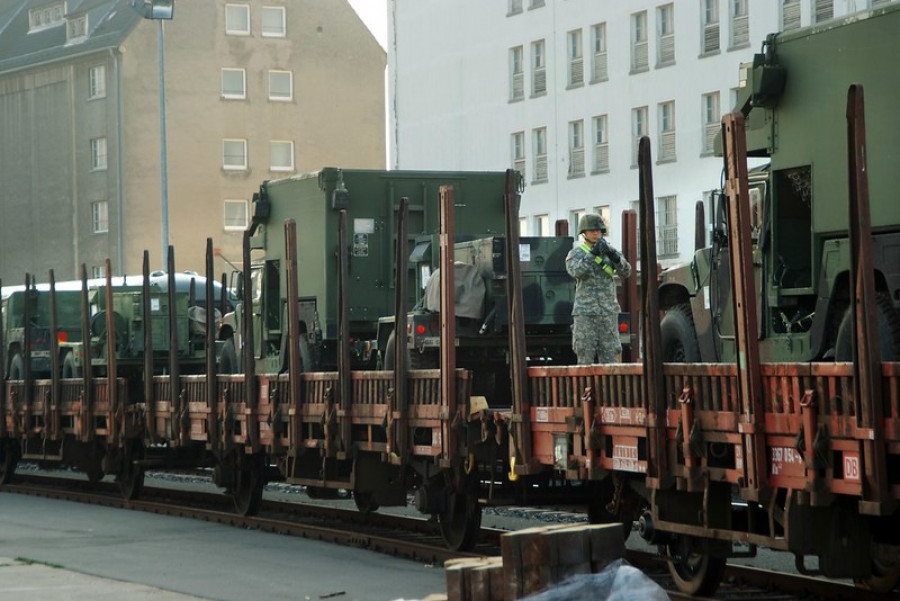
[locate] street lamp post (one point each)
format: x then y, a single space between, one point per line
161 10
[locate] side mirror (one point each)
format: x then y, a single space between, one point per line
236 285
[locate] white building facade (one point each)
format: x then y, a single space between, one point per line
561 90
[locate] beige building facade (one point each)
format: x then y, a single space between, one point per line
255 90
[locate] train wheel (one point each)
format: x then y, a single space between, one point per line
885 575
599 507
248 485
9 458
694 571
365 501
460 521
131 478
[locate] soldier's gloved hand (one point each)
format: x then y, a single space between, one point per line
600 248
614 257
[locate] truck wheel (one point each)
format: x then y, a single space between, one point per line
228 363
888 331
428 359
69 370
16 367
306 362
677 335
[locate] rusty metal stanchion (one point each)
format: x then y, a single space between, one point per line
630 297
112 396
752 421
293 316
450 410
51 415
865 343
248 358
345 390
658 475
87 399
149 400
212 384
398 433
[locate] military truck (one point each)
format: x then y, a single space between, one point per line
371 200
793 97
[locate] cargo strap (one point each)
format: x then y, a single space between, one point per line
601 261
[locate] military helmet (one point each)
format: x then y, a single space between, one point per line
591 221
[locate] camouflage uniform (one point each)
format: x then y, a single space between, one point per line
595 310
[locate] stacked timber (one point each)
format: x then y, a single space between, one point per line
533 560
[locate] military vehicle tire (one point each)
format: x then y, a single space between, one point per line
228 362
69 369
888 331
677 336
16 367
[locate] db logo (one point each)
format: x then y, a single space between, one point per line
851 467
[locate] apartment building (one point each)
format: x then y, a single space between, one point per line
254 90
562 90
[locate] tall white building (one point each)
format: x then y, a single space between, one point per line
561 90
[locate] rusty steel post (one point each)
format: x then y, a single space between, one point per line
520 447
27 335
87 401
865 343
149 401
293 317
181 427
398 435
111 359
212 384
51 424
449 406
630 298
561 227
345 391
658 475
248 359
752 421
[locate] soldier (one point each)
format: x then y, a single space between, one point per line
595 311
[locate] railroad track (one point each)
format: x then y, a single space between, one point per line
414 538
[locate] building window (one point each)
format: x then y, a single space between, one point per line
46 16
237 19
601 145
639 59
605 213
711 124
740 24
710 33
281 85
666 151
576 59
599 68
97 82
539 69
236 213
574 217
666 226
665 30
515 7
76 29
638 130
542 225
234 83
540 154
99 217
98 154
823 10
576 148
273 22
523 226
98 271
234 154
790 14
282 155
535 4
518 152
516 74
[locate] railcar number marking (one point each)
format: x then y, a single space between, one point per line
541 415
782 456
625 457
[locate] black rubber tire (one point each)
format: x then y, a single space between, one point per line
248 485
16 367
677 336
885 575
69 369
888 332
387 358
365 501
228 361
306 361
